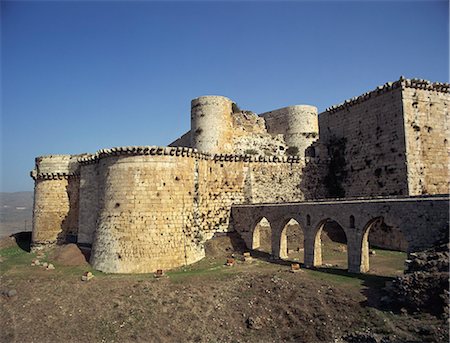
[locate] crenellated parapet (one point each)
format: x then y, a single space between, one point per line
143 208
181 152
52 176
389 86
142 151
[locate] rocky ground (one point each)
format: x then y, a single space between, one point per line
425 285
257 301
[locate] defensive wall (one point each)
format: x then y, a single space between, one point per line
147 208
390 141
423 221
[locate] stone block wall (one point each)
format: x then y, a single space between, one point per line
146 214
56 199
88 203
298 124
427 129
212 124
366 144
276 182
148 208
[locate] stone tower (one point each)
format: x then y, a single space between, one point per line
211 124
299 124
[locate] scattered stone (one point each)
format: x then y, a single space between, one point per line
246 254
87 276
35 263
254 323
424 287
45 264
11 293
295 267
159 273
372 252
365 337
50 266
230 262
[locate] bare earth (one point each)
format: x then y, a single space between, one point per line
260 301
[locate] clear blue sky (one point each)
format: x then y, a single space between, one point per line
80 76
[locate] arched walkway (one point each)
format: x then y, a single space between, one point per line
330 245
423 221
388 263
262 236
292 241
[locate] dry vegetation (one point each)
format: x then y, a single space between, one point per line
207 302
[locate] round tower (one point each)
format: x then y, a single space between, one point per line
211 124
302 127
55 209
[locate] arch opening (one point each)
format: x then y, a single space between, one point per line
383 248
292 241
330 245
262 236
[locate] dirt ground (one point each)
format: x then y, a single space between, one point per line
257 301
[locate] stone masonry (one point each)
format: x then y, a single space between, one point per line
148 208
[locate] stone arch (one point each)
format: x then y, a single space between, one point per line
291 238
262 235
325 225
365 247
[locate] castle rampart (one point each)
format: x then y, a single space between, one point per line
374 144
146 208
171 200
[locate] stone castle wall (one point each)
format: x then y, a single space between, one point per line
367 146
56 199
148 208
427 130
89 203
146 214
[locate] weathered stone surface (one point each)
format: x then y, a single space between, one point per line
147 208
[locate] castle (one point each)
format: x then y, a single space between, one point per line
146 208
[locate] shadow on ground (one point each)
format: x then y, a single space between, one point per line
373 284
23 240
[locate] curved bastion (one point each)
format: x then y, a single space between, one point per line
145 216
146 208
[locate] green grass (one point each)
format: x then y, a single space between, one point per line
205 268
14 257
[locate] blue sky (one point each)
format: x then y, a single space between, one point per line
80 76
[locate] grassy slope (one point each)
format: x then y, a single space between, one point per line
204 302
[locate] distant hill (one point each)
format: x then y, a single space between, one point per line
16 212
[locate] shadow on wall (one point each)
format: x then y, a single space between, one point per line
314 173
69 225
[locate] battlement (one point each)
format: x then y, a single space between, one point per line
153 207
182 152
389 86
